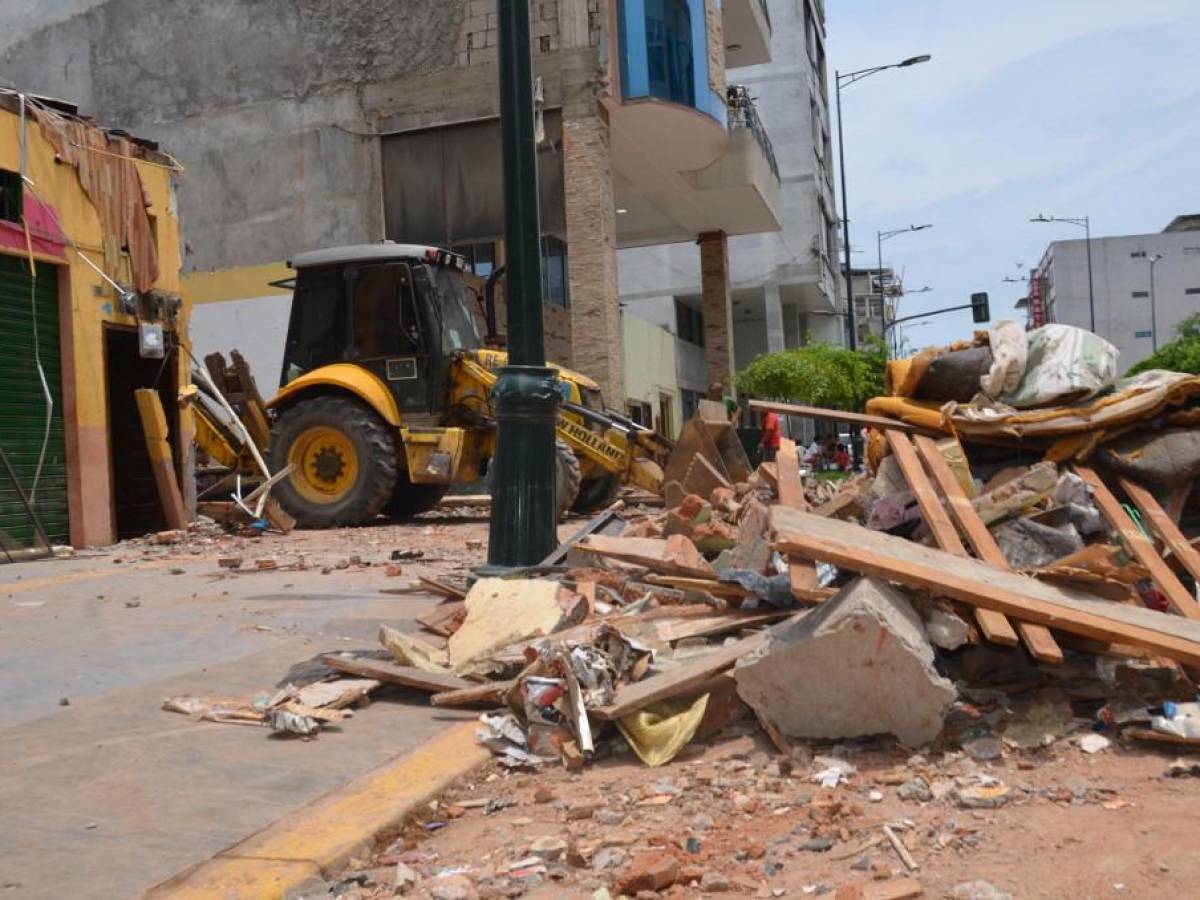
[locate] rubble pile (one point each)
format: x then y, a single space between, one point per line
981 592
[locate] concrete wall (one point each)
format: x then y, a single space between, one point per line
1122 316
650 365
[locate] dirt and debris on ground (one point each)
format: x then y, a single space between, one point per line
954 675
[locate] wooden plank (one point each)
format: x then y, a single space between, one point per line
787 474
839 415
706 585
440 587
382 670
678 681
488 694
676 555
1139 545
444 618
1038 639
979 584
606 522
722 623
995 627
1164 526
162 463
802 573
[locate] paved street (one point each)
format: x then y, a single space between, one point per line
109 795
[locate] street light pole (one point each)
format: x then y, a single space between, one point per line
1085 223
880 237
526 397
845 80
1153 258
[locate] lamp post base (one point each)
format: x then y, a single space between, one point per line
524 506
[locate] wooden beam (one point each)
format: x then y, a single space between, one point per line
1139 545
490 693
979 584
995 627
677 681
382 670
802 573
162 463
839 415
1038 639
1164 526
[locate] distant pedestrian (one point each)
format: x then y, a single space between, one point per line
769 442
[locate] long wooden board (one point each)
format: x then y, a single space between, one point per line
839 415
676 682
1037 638
979 584
995 627
382 670
1163 525
662 556
1139 545
802 573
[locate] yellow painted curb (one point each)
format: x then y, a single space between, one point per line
323 835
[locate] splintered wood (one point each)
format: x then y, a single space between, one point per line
1139 545
980 584
1038 640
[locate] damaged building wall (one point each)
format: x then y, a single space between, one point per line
65 224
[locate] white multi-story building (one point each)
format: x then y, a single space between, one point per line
1143 286
784 285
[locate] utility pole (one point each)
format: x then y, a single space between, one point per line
526 397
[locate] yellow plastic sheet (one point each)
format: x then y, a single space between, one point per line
658 732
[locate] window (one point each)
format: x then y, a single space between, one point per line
669 51
689 323
481 258
1138 254
640 412
11 196
1191 291
555 285
1141 293
690 401
385 315
317 332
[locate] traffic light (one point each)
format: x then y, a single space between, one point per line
979 307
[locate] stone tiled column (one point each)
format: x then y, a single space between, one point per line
773 309
716 307
592 256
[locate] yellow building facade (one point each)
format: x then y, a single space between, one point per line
91 308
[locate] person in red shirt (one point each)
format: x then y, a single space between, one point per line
770 437
842 458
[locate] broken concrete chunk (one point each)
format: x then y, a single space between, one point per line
946 630
858 665
501 612
1029 545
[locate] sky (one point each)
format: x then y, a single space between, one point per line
1058 107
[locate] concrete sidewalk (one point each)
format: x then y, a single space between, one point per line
109 795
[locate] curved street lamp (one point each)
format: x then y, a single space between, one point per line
1086 224
843 80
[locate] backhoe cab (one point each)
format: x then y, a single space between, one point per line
385 398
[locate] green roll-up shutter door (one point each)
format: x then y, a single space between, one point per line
23 402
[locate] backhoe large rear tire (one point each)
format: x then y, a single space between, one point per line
566 477
596 494
343 459
410 499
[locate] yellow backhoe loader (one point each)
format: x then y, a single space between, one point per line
385 398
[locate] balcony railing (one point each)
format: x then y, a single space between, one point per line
744 114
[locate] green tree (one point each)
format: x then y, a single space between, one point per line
1180 355
818 375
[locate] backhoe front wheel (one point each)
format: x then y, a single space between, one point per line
343 459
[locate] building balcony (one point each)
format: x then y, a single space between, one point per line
747 33
677 173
